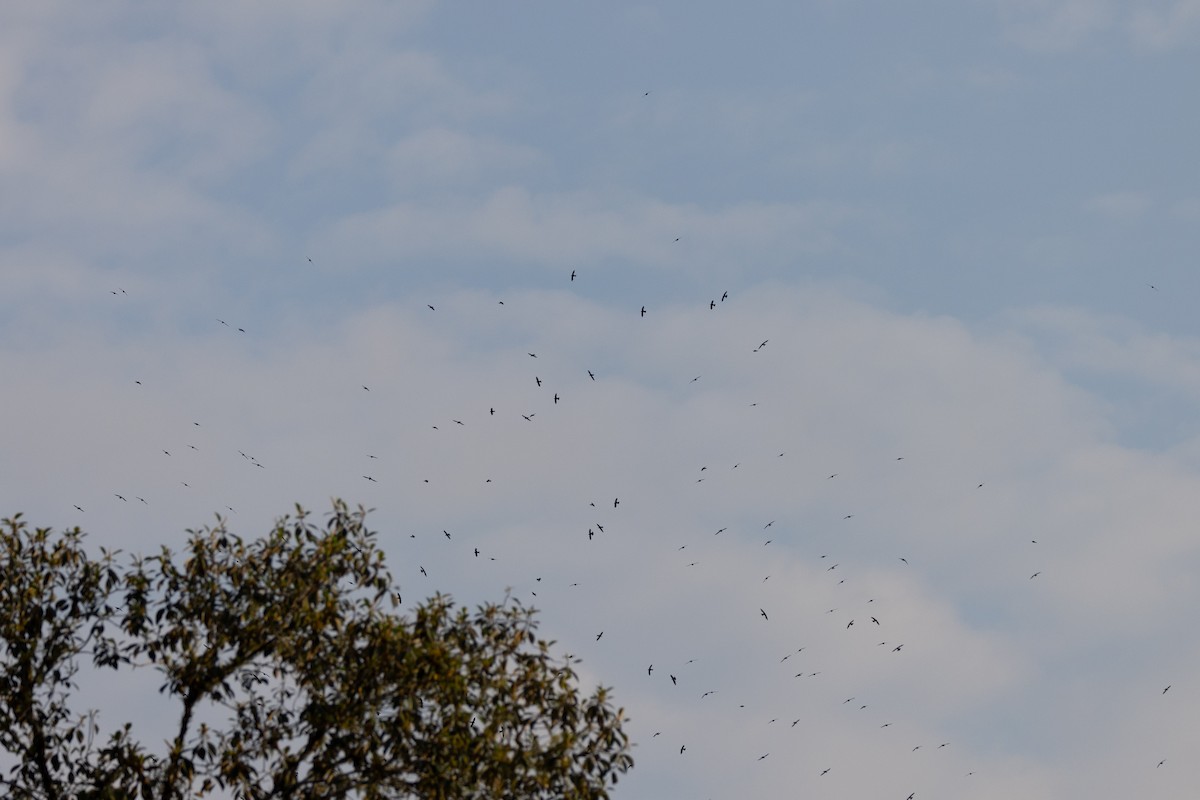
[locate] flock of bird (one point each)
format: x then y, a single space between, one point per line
867 615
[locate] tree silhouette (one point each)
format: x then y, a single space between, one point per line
323 693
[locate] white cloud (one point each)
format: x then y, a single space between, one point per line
1121 206
1055 25
1167 28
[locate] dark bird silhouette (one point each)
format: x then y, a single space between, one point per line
477 552
650 670
590 375
591 533
572 274
538 380
825 770
712 304
533 355
458 422
599 527
431 308
1164 760
448 536
120 498
423 572
682 747
848 624
1164 691
643 311
673 681
372 480
598 635
764 614
874 620
492 411
616 502
365 388
905 560
725 295
1034 575
556 398
80 509
896 649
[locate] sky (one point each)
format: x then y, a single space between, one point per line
880 315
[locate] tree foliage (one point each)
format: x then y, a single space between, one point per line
325 691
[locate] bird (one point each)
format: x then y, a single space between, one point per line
874 620
366 389
431 308
712 304
477 552
905 560
533 355
119 497
590 375
825 770
650 670
538 380
643 311
1034 575
556 398
725 295
448 536
764 614
764 755
896 649
80 509
682 747
423 572
616 502
1164 760
598 635
1164 691
674 682
572 274
372 480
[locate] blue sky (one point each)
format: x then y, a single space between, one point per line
966 232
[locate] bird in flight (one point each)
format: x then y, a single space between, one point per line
682 747
572 274
764 614
120 498
725 295
674 682
77 507
538 380
372 480
556 398
825 770
598 635
643 311
616 502
712 304
1034 575
590 375
1164 691
650 670
423 572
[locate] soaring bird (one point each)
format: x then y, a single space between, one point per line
712 304
673 681
598 635
590 375
650 670
682 747
1164 691
643 311
724 296
616 502
556 398
572 274
764 614
1034 575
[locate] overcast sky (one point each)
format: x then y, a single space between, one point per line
919 323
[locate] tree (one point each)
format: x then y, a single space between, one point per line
323 692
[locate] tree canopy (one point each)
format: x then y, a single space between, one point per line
316 687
